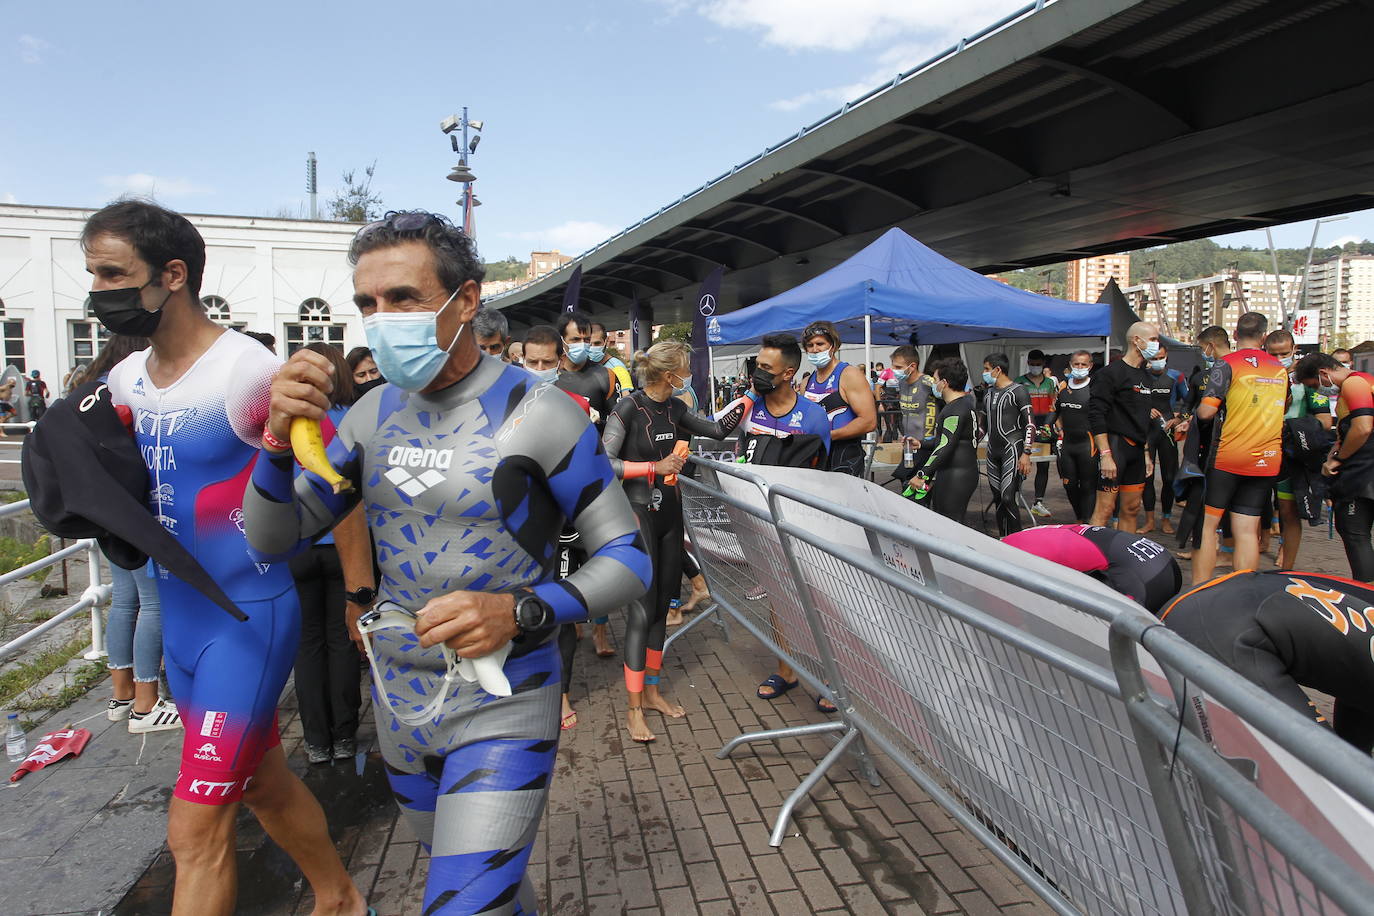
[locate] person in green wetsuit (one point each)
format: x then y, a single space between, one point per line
1307 402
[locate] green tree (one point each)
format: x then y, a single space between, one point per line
356 202
680 331
509 269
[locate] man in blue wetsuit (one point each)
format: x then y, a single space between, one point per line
468 468
199 399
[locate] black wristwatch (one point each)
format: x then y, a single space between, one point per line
363 597
532 612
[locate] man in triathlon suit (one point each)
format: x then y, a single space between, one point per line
199 399
1077 458
843 393
1287 630
1135 566
1304 401
1246 397
950 472
1010 435
580 375
641 436
1042 387
1350 468
1168 391
596 354
916 404
1119 417
783 430
467 467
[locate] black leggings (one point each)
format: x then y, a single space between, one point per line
646 620
690 569
570 558
1078 470
1165 450
954 486
328 692
1354 517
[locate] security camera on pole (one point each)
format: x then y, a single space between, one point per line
461 173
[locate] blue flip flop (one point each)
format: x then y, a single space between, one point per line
779 687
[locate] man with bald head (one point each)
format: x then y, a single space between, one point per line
1119 418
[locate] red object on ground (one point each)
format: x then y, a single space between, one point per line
53 747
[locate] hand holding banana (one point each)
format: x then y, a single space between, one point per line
299 399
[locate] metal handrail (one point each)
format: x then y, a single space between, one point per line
95 594
1027 10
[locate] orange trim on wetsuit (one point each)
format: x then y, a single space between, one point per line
1205 585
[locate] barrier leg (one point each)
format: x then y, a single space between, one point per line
774 734
712 611
809 783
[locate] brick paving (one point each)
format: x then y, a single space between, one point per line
666 827
629 828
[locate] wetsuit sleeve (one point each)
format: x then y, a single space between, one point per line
1025 418
557 437
613 438
283 511
1101 400
1357 397
1317 403
952 427
698 424
1218 383
1178 396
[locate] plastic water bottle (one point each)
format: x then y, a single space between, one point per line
16 745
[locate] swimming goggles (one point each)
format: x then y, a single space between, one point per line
393 624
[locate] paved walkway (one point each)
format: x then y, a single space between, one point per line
663 828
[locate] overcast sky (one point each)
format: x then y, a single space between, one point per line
597 113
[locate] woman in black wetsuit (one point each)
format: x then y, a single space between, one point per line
641 433
950 474
1077 458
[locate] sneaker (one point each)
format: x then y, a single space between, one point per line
162 717
345 749
1039 510
317 753
118 710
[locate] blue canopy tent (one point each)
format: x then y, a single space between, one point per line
897 287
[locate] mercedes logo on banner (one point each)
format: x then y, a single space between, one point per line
708 305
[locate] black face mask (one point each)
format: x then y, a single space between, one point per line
121 311
362 388
763 381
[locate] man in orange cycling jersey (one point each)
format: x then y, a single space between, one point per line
1246 396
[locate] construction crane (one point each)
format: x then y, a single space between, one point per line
1157 298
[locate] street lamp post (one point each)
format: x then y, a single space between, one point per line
461 173
1307 268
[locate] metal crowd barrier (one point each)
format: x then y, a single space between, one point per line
96 593
1085 772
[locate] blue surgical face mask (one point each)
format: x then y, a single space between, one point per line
1158 365
578 353
988 378
1286 362
819 359
1208 361
1330 392
686 383
1150 349
596 354
406 347
1079 373
545 375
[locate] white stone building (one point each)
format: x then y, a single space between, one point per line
287 277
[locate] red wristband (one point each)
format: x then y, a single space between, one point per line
271 442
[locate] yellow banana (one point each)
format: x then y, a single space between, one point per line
307 441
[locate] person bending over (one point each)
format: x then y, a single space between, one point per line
1286 630
641 440
1135 566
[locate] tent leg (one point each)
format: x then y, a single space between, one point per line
710 361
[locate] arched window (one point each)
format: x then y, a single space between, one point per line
216 308
315 311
